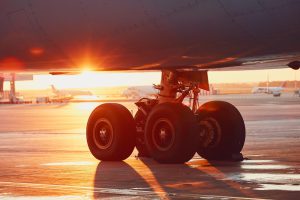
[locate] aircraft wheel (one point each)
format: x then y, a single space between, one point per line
222 131
170 133
140 121
110 132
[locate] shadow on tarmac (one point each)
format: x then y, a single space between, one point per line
146 177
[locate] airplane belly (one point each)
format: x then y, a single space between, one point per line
133 34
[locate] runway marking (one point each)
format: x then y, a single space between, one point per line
130 192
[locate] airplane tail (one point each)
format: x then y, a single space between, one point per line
284 84
54 90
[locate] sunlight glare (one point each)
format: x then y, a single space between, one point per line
87 107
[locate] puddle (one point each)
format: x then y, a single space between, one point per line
285 187
265 181
266 178
258 161
265 167
82 163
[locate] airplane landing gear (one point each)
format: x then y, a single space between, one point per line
166 129
145 105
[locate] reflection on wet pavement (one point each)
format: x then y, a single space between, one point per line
286 187
265 167
45 156
145 178
258 161
79 163
288 181
267 178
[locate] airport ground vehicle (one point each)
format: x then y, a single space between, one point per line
42 100
183 39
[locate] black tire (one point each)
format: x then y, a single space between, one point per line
117 139
140 121
224 128
178 124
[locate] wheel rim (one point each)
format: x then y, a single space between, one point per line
163 134
103 133
210 133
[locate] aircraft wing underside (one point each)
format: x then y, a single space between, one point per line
269 62
63 35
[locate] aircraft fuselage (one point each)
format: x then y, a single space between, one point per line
131 34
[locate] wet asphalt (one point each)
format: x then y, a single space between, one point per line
43 155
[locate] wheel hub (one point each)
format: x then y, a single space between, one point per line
163 134
103 134
210 133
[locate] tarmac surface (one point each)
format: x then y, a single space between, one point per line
43 155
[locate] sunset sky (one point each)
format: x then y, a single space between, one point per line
108 79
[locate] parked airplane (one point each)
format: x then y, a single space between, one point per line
276 91
137 92
70 93
182 38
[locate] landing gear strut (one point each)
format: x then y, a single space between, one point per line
166 129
